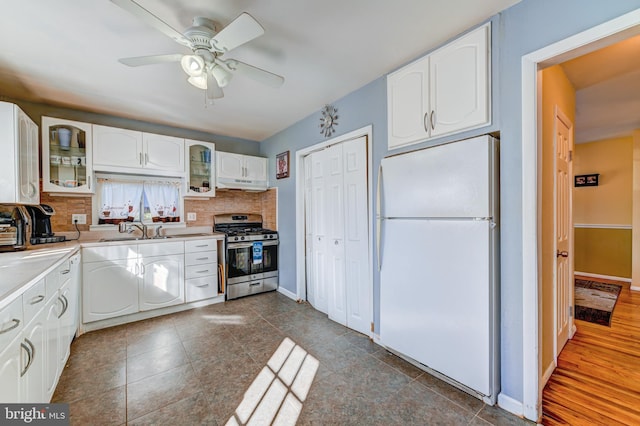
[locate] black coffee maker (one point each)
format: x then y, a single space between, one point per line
41 232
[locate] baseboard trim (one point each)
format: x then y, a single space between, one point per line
606 277
547 374
288 293
511 405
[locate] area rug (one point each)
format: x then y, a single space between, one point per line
594 301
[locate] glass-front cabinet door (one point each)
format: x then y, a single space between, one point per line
66 156
200 162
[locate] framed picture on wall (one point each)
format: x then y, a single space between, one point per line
282 165
586 180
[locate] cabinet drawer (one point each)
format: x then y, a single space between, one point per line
160 248
33 300
196 271
200 245
200 258
100 254
56 278
11 322
201 288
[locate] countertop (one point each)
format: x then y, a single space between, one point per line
20 270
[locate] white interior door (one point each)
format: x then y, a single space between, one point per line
334 214
564 270
318 226
308 230
337 233
356 241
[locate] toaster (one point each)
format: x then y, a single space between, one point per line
15 227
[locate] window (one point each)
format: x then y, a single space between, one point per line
137 198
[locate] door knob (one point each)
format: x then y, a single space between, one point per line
335 242
562 254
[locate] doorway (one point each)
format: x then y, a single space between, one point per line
585 42
334 207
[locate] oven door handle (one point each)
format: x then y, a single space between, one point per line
249 245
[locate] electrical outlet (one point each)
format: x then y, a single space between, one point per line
191 216
80 219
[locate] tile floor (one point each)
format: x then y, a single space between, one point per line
236 362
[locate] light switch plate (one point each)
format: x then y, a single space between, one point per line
80 218
191 216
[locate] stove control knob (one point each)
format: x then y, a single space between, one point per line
235 238
242 238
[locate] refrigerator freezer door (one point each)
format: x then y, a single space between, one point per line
436 297
451 180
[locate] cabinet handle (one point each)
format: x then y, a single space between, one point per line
433 124
65 305
140 158
202 245
16 323
203 285
146 158
202 272
255 284
36 300
89 181
202 258
33 190
142 268
424 122
30 352
65 272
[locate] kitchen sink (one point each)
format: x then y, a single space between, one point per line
115 239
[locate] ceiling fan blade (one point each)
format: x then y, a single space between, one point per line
254 73
241 30
213 90
150 60
152 20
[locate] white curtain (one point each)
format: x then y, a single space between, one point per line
162 198
120 199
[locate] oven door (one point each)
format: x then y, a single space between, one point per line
269 261
242 263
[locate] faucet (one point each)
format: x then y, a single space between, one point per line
157 235
122 227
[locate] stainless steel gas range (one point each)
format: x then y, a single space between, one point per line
252 254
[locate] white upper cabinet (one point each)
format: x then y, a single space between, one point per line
237 171
66 156
442 93
116 147
122 150
19 170
200 168
163 152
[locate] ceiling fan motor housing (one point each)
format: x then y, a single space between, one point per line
200 33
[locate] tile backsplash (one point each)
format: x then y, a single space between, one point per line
226 201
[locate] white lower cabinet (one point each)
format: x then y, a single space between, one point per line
33 360
110 289
162 282
129 278
11 326
201 271
35 334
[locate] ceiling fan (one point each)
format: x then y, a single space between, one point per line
205 67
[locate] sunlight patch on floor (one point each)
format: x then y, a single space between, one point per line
276 395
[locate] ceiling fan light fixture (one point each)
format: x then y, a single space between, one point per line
222 76
199 81
193 65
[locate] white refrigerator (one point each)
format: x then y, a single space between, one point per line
437 230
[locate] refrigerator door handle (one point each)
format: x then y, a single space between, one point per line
378 215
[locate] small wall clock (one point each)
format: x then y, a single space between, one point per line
328 120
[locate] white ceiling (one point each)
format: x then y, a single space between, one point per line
607 83
66 52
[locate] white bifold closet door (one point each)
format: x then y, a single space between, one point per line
337 217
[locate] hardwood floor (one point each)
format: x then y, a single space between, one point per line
597 381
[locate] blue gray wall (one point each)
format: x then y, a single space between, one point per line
525 27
